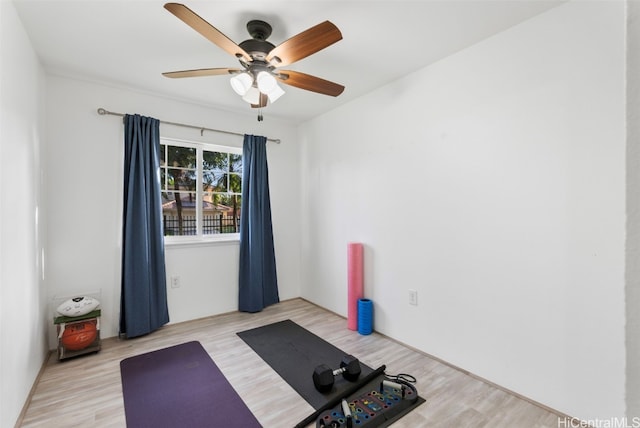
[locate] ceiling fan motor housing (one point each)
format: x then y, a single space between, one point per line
257 46
258 49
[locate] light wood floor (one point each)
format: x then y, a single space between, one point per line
86 391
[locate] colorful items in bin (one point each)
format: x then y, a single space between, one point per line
78 306
377 406
365 316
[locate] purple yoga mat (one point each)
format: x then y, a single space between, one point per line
180 386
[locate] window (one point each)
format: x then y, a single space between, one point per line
201 190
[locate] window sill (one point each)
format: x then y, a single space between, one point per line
187 242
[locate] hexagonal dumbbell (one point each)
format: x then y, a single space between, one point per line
324 376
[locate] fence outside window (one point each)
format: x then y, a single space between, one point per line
210 225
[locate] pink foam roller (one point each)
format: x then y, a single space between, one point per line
355 282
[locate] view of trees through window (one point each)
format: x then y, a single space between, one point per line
201 189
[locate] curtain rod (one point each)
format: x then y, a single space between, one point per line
103 112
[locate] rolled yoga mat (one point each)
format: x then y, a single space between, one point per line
355 282
365 316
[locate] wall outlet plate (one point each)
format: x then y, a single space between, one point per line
413 297
175 281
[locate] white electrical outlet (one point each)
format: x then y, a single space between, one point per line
413 297
175 281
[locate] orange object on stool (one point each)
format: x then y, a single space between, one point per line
79 335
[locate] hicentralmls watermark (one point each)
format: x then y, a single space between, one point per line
599 423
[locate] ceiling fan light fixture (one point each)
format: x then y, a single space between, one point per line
266 82
268 85
275 93
252 96
241 83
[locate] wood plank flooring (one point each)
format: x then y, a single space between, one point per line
86 391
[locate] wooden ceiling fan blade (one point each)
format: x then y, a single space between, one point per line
310 83
263 101
304 44
201 72
211 33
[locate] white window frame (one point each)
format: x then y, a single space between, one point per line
199 237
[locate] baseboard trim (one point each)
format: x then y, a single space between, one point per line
36 381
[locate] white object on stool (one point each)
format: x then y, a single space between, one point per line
78 306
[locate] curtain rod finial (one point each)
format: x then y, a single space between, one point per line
102 111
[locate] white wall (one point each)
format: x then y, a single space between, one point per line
23 323
633 209
493 183
84 187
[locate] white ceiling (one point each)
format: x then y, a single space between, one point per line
130 43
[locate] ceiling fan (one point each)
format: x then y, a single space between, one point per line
257 80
